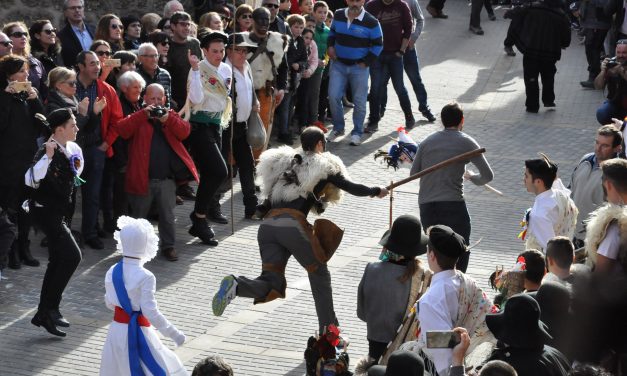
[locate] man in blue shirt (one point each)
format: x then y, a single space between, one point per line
76 36
354 43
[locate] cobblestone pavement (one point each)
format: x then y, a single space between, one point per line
269 339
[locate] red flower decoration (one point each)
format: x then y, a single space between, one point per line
212 80
333 335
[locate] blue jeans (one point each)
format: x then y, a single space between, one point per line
387 66
339 75
412 69
609 110
282 114
92 174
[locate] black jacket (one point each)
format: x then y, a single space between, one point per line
540 31
70 45
545 361
615 7
296 53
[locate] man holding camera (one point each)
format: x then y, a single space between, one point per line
156 158
614 76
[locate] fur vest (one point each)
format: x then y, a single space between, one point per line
261 67
596 229
286 174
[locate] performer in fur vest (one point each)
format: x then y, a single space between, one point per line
606 231
269 66
295 182
132 346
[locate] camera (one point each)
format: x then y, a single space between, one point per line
158 112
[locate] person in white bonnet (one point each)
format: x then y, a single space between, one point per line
130 292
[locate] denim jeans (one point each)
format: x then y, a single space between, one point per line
412 69
387 66
609 110
92 174
339 76
282 114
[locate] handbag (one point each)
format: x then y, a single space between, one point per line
256 135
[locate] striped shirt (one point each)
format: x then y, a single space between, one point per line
359 41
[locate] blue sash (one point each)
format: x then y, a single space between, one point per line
137 346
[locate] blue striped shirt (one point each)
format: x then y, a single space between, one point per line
360 41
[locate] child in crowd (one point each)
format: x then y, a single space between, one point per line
321 34
304 94
329 19
297 62
305 7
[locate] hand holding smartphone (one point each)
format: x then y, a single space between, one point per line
442 339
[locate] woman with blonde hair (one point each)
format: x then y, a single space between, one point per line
18 33
111 29
211 20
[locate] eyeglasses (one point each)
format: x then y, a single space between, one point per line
164 43
153 56
6 43
246 16
240 50
50 31
19 34
183 23
77 7
271 6
103 53
117 26
70 83
225 18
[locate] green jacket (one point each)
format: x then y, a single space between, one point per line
321 34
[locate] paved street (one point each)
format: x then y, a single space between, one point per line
270 339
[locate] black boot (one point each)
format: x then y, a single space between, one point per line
58 318
44 319
14 258
201 229
25 255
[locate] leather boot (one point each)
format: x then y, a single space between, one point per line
25 255
44 319
14 258
58 318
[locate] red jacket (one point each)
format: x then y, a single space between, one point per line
110 115
138 131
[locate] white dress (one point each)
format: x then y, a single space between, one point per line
140 286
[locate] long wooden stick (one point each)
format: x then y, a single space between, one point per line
391 193
437 166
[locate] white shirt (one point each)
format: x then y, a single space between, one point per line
40 168
360 17
196 93
610 245
544 215
438 309
244 90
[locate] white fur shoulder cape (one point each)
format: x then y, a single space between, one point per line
273 163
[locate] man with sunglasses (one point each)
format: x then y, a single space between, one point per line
6 46
76 35
178 64
277 23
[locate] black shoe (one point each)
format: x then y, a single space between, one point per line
201 229
589 84
25 255
102 234
44 242
509 51
549 104
179 200
58 319
95 243
252 217
532 110
476 30
14 258
217 217
170 254
409 121
285 139
372 127
428 115
186 192
347 103
491 16
44 319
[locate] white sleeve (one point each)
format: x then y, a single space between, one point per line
541 227
148 305
34 174
610 244
435 318
195 87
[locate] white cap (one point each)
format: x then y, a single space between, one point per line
136 238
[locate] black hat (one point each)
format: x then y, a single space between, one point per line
519 324
401 363
56 118
207 38
446 241
406 237
240 40
554 301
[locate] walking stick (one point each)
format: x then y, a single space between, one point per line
391 193
450 161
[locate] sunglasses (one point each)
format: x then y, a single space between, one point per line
50 31
246 16
164 43
19 34
103 53
271 6
6 43
114 26
71 83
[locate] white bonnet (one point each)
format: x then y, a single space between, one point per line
136 238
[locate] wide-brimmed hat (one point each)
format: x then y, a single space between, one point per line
207 38
519 324
406 237
446 241
240 40
401 363
136 238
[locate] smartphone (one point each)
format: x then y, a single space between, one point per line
442 339
113 63
21 86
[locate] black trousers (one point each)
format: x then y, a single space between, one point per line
205 141
376 349
594 47
532 68
453 214
243 156
7 236
475 11
64 255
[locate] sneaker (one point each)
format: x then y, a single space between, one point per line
226 293
428 115
335 135
509 51
589 84
409 121
476 30
355 140
320 125
201 230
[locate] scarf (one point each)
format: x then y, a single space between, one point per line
214 90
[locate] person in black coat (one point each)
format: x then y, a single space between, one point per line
76 35
540 31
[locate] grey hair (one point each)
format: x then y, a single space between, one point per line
167 8
65 4
144 46
129 77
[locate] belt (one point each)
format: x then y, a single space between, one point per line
123 318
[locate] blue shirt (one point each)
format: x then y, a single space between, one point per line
359 41
83 36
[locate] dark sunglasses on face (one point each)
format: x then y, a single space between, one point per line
71 83
50 31
114 26
246 16
271 6
6 43
19 34
164 43
103 53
